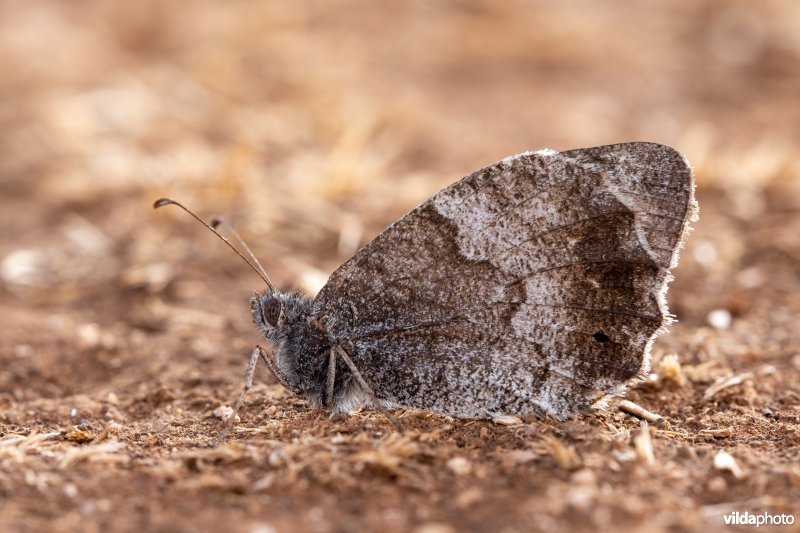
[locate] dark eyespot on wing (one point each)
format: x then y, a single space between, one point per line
599 336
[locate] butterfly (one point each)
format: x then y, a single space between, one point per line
534 286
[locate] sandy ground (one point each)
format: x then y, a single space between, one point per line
311 126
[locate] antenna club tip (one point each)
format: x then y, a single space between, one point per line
161 202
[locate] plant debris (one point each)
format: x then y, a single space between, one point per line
310 126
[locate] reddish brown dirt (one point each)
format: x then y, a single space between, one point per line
312 126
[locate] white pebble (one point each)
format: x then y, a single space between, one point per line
725 461
223 412
23 267
719 319
459 466
705 252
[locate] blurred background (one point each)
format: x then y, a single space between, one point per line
312 125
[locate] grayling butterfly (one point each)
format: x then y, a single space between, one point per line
534 286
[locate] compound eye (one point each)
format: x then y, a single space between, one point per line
272 311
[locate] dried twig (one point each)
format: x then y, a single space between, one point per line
638 411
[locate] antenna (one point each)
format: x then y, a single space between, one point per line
161 202
217 222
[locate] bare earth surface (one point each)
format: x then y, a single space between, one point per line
311 126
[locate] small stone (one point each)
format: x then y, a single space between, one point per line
459 466
224 412
719 319
89 336
705 252
70 490
725 461
581 497
24 267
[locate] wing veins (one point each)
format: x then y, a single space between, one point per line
346 283
467 263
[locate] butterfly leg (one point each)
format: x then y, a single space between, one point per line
366 388
227 424
273 368
331 381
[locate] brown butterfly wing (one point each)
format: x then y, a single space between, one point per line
534 285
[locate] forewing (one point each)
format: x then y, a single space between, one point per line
534 285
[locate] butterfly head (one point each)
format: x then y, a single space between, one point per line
283 318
